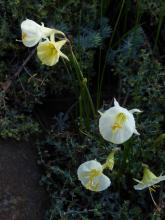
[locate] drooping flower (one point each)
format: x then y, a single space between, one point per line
33 33
149 179
110 161
49 52
91 176
117 124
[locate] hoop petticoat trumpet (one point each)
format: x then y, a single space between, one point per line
91 176
117 124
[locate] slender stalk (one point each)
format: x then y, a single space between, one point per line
156 205
158 32
162 14
81 111
82 81
110 42
138 15
100 55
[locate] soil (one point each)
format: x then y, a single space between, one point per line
21 196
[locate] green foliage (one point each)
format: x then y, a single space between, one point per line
141 86
151 7
36 82
18 126
69 200
129 48
90 38
130 60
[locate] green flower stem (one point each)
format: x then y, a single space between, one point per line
82 82
162 14
110 43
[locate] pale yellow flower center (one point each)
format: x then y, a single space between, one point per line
24 36
49 50
119 121
92 174
48 53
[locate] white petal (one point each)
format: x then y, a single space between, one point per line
64 56
59 44
46 31
107 120
126 131
121 136
87 166
136 132
155 181
29 24
161 178
101 113
34 32
103 183
134 110
49 31
58 32
31 40
31 33
139 186
116 104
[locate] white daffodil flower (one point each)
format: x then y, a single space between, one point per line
117 124
33 33
149 180
91 176
49 52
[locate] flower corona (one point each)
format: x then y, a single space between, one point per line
149 179
49 52
91 176
117 124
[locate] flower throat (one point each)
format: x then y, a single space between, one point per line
119 121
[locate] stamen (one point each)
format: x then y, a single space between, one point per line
156 186
119 121
92 174
152 189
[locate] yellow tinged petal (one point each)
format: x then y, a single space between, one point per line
64 56
110 161
49 52
60 43
149 179
58 32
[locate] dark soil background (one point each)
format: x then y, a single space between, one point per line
21 197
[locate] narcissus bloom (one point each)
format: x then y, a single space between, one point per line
33 33
149 179
117 124
91 176
49 52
